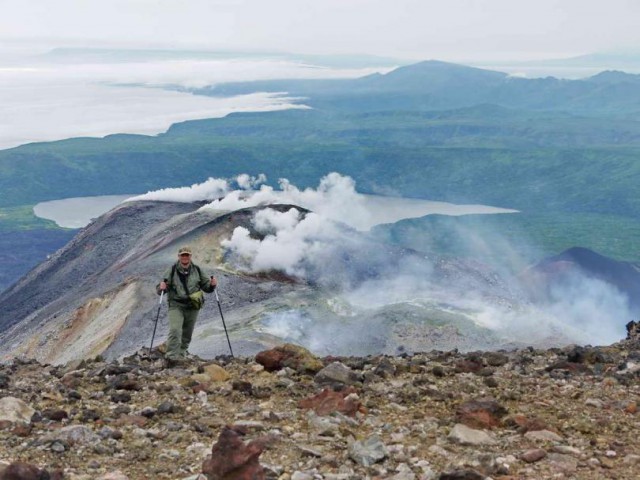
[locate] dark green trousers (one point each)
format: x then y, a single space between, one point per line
181 324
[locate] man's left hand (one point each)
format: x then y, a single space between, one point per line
214 282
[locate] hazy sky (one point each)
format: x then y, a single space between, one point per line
415 29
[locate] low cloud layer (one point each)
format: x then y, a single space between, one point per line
51 101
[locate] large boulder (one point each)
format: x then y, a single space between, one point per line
14 410
289 355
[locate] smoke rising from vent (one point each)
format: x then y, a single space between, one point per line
210 189
385 290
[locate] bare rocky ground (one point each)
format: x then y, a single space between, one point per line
526 414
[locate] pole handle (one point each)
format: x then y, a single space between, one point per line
215 290
165 280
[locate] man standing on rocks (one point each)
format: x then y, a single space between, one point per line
184 286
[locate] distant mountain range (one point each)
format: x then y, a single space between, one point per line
434 85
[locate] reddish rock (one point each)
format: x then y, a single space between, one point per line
137 420
22 429
24 471
571 367
200 387
631 407
480 413
525 424
328 401
271 360
468 366
289 355
71 381
127 384
232 459
534 455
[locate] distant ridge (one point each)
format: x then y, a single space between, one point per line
625 276
614 76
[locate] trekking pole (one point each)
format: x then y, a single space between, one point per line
157 317
215 290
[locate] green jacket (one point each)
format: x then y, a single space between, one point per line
195 280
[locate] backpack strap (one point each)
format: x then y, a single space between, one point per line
173 273
198 269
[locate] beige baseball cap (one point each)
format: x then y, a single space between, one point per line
184 250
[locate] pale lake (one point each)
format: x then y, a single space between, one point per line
78 212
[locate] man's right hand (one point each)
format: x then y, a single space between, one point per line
163 286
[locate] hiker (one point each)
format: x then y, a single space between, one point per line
185 286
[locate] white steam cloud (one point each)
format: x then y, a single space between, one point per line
375 289
210 189
290 242
369 281
329 200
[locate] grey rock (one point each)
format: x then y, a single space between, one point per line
115 475
58 447
404 473
543 436
337 372
566 450
594 402
310 451
368 452
148 412
297 475
15 410
250 424
631 459
565 463
468 436
72 435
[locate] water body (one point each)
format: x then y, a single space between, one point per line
394 209
78 212
45 100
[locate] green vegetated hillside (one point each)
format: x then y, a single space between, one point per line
25 241
570 164
567 149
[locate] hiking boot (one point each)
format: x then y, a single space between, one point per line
172 362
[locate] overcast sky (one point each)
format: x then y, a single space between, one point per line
412 29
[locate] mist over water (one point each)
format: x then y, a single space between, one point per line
378 297
44 98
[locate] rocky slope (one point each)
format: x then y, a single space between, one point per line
285 414
97 294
